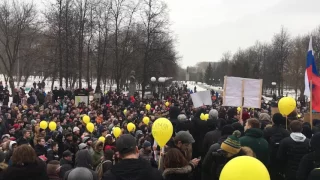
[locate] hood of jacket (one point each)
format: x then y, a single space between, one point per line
96 145
254 132
132 169
298 137
11 144
184 170
83 159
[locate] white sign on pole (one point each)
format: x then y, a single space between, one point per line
252 90
201 98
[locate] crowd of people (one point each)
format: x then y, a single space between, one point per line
198 149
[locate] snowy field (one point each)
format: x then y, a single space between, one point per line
204 87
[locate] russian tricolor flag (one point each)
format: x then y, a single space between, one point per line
311 75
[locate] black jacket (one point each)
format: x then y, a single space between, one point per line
36 171
132 169
65 166
210 138
40 150
308 162
51 155
290 154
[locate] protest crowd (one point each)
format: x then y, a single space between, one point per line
47 136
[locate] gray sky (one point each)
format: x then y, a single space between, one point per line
205 29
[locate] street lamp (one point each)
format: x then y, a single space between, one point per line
153 80
161 82
273 86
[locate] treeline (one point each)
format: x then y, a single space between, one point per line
282 61
82 40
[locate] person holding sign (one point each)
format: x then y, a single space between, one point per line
131 164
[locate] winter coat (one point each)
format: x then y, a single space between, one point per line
291 151
215 160
178 173
308 162
210 138
253 139
51 155
83 159
107 165
31 100
40 150
65 167
35 171
145 156
96 158
200 130
132 169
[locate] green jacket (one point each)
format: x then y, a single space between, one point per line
253 138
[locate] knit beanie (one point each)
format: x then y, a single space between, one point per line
232 144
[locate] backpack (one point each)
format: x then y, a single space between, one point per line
99 168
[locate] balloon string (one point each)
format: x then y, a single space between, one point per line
160 158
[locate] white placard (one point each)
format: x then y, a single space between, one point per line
201 98
232 95
79 99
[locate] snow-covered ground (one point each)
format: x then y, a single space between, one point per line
204 87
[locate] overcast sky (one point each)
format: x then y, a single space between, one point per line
205 29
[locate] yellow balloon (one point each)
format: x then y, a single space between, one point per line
90 127
146 120
162 130
86 119
286 105
43 124
102 139
299 115
239 109
125 112
206 117
52 125
116 132
131 127
202 117
167 103
246 168
148 107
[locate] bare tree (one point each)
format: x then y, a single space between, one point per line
16 20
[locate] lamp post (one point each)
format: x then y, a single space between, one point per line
273 87
153 80
161 82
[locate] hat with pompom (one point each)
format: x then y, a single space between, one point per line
232 144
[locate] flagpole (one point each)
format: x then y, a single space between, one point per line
311 103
